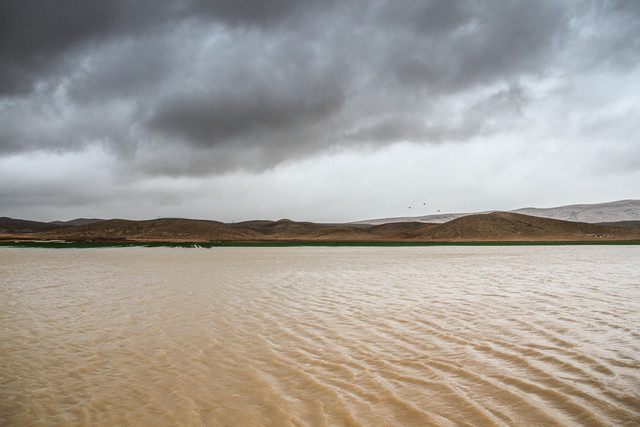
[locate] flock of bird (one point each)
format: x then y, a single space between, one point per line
424 204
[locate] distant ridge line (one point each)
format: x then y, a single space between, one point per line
77 221
492 227
608 212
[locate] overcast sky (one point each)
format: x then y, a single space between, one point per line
315 110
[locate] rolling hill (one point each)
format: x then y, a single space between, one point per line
627 211
492 227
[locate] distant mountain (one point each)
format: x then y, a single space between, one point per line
496 227
77 221
167 229
623 210
12 225
509 226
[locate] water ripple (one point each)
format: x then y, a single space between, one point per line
320 336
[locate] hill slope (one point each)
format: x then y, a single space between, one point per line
496 227
622 210
507 226
11 225
150 230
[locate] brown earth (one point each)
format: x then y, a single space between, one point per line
623 224
497 226
18 226
506 226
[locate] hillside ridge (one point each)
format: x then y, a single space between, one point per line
609 212
490 227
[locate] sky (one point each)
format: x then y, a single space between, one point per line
315 110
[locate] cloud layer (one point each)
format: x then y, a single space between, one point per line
193 89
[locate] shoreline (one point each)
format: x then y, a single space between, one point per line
206 245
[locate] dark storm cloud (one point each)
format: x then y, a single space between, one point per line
267 12
251 89
614 38
487 115
471 45
35 35
197 87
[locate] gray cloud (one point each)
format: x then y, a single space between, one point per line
36 36
250 90
263 13
613 32
203 87
34 33
479 46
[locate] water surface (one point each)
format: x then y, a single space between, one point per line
499 335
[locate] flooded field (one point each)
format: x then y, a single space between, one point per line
523 335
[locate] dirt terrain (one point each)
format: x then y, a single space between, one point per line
492 227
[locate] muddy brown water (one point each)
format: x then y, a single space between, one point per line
525 335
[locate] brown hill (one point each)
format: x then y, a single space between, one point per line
507 226
77 221
498 226
169 230
288 230
401 230
17 226
623 224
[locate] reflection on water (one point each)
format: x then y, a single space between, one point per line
320 336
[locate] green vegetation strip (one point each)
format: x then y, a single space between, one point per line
84 245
